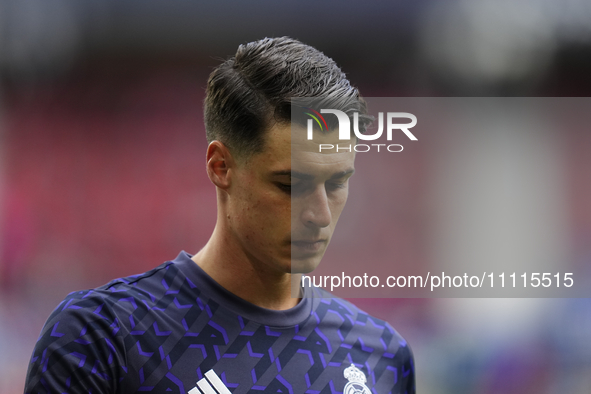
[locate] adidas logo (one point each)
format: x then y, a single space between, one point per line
210 384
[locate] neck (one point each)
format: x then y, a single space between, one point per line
250 279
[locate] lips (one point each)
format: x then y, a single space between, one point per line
308 245
308 241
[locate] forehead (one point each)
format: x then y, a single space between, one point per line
287 146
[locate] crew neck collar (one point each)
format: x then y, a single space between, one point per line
268 317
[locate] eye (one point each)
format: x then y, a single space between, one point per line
292 187
336 185
286 187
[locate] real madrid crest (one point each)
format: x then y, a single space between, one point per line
356 380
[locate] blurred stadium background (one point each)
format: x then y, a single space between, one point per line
102 152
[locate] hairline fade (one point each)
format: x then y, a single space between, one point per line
253 90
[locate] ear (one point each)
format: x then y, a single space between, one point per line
219 164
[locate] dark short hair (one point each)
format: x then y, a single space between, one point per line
251 91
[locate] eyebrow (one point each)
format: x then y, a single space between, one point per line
304 176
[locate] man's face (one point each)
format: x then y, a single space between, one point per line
284 203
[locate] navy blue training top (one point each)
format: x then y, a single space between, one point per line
175 330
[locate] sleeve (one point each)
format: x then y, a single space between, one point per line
79 349
408 370
402 361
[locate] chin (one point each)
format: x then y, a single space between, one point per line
304 266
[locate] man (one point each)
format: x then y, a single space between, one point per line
224 320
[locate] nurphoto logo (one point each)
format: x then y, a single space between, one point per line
392 124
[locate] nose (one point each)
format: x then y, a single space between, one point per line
316 212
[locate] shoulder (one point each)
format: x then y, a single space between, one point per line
348 312
106 301
107 308
361 337
82 343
